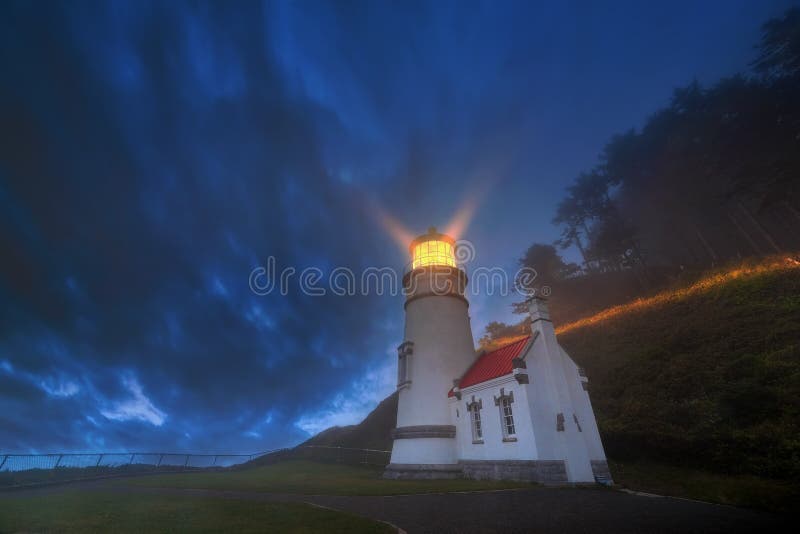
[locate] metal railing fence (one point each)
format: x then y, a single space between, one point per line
348 455
22 470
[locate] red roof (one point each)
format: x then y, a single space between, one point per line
492 364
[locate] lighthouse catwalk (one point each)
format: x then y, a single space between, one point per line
520 412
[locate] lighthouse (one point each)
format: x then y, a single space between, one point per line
519 412
437 347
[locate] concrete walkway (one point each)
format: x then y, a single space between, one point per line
539 509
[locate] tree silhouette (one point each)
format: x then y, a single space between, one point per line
779 49
710 177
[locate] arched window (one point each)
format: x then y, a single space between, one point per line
474 410
504 402
404 352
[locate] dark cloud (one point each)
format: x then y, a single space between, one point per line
153 154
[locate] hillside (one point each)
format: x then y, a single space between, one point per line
371 433
707 378
701 377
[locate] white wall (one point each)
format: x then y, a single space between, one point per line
493 446
424 451
550 386
583 409
439 328
543 403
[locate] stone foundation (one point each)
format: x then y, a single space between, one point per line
541 471
423 471
601 472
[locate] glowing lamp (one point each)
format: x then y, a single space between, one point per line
432 249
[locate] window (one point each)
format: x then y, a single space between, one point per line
474 409
504 402
402 368
404 352
477 435
507 417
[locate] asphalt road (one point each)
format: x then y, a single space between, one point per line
557 510
539 509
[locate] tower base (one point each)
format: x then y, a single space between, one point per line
548 472
602 474
423 471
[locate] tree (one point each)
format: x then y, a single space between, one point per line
498 334
587 202
614 241
712 176
779 49
569 214
549 266
550 270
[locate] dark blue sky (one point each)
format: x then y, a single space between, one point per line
153 154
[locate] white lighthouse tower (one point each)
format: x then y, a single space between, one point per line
518 412
437 348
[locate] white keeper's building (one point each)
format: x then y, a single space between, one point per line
520 412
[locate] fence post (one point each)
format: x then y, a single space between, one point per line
60 456
159 460
132 457
4 461
186 462
99 460
215 461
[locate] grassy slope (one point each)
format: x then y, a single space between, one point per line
76 511
708 382
703 485
310 478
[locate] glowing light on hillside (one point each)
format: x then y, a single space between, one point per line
699 287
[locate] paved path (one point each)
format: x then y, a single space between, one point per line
539 509
558 510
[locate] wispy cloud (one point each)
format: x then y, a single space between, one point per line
352 405
138 408
59 387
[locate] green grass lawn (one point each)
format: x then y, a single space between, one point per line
72 510
741 490
309 478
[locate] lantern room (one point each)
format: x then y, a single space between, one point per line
433 249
